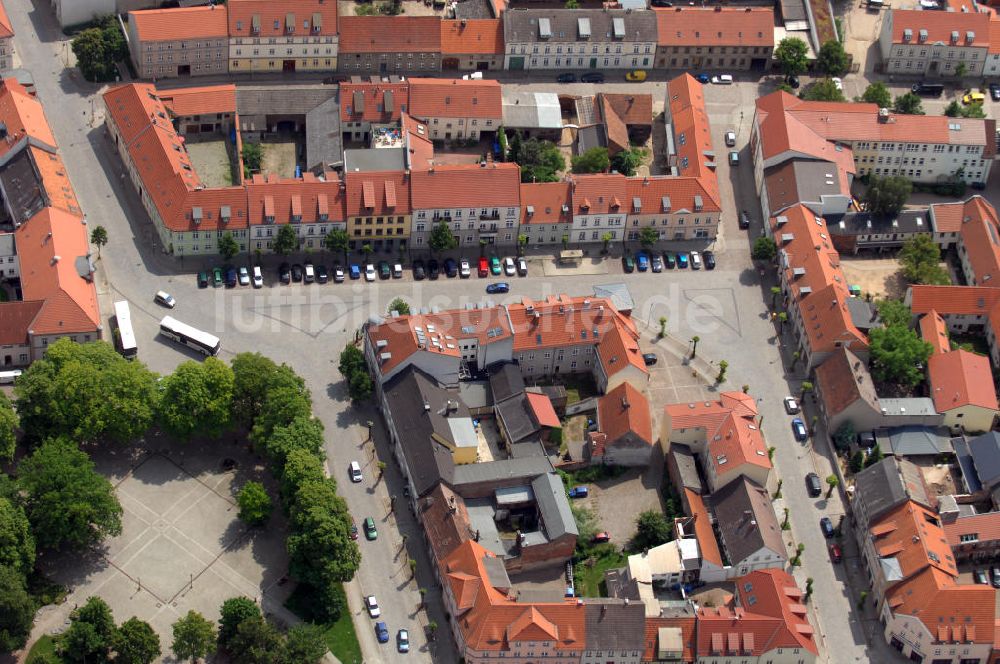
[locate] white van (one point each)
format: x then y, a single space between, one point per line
474 76
354 470
723 79
8 377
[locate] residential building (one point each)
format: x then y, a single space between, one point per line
479 202
579 39
182 41
472 44
6 41
980 462
454 109
312 207
992 66
390 44
962 387
282 36
883 487
979 240
533 114
679 208
725 436
915 43
964 309
857 231
599 207
974 537
378 209
749 531
367 103
624 435
633 112
546 217
71 13
728 38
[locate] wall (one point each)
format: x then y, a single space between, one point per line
730 58
973 419
77 12
673 226
542 234
552 554
583 55
914 637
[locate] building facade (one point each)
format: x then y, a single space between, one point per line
378 209
920 43
282 36
390 44
730 38
454 109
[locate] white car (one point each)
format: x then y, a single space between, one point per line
838 82
369 272
397 271
310 273
258 278
695 260
372 605
464 269
730 138
791 405
508 267
723 79
244 276
165 298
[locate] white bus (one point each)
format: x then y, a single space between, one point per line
9 376
126 336
203 342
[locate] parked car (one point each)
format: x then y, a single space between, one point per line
602 536
799 430
371 605
285 273
709 258
418 270
381 632
995 91
642 261
723 79
826 526
508 266
703 78
836 555
403 641
308 273
463 269
450 268
322 276
744 220
628 264
484 266
730 138
355 271
974 98
813 485
592 77
370 272
371 534
231 278
734 158
384 271
522 267
661 3
165 299
495 268
244 276
566 78
791 405
995 577
354 529
216 277
656 263
338 273
296 272
579 491
838 83
203 279
258 277
498 287
354 471
670 260
397 271
433 269
695 260
927 89
682 260
636 76
981 577
792 81
649 359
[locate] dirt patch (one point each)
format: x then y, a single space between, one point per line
448 155
940 479
280 155
617 502
878 277
211 162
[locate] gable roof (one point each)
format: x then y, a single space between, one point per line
685 110
603 193
15 321
378 192
390 34
200 100
980 232
181 23
940 29
472 36
844 380
467 185
455 98
380 101
545 203
718 26
934 331
952 300
886 485
746 520
959 378
273 18
6 28
624 410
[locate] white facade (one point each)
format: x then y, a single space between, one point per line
918 56
678 225
6 53
591 227
10 266
460 128
496 225
910 636
77 12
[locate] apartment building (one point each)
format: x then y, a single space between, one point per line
390 44
6 41
378 209
454 109
367 103
921 43
282 36
546 217
312 207
992 66
480 203
730 38
472 44
678 208
188 41
579 39
599 207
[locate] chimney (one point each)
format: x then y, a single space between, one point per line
625 404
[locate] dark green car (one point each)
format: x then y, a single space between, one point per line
217 277
203 279
628 263
384 271
370 532
494 265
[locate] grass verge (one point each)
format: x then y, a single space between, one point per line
44 650
340 636
589 573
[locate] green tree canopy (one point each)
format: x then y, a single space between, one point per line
98 49
91 632
305 433
594 160
234 611
957 110
282 406
764 249
400 306
360 387
17 610
320 548
878 93
894 313
305 645
301 466
832 59
17 544
823 90
197 399
256 642
353 369
228 246
648 237
792 55
8 428
843 438
69 504
540 161
337 241
99 238
626 161
898 355
286 241
136 642
921 258
652 529
194 636
908 104
442 238
886 196
253 156
87 392
255 504
254 376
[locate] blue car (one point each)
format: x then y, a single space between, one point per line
355 271
381 632
642 261
703 78
499 287
799 430
682 260
579 492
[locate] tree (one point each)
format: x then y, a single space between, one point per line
626 161
87 392
228 246
8 428
775 292
301 466
234 611
606 239
792 55
17 610
961 69
197 399
253 156
652 529
663 326
442 238
898 355
832 481
255 504
304 432
920 257
256 642
832 60
91 632
694 345
908 104
17 544
957 110
844 436
400 306
337 241
99 238
360 387
572 4
878 93
67 502
287 240
320 549
894 313
194 637
823 90
594 160
540 161
136 642
98 49
305 645
648 237
857 462
282 406
254 377
764 249
805 388
886 196
723 368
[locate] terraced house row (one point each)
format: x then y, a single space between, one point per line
392 194
246 36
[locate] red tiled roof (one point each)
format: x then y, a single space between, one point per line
6 29
273 17
947 217
623 410
375 106
940 29
935 332
994 36
707 544
390 34
307 197
550 203
181 23
455 98
633 109
604 193
718 26
15 321
684 623
467 185
377 193
472 37
201 100
934 598
686 103
730 427
959 378
541 407
844 380
618 348
952 300
23 115
985 527
680 190
980 232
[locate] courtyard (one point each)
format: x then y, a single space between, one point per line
211 161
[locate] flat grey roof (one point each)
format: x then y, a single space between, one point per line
526 467
531 110
374 159
483 525
324 142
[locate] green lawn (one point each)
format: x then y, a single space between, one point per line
341 638
43 647
590 578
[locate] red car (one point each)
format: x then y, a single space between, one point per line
835 553
484 267
602 537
